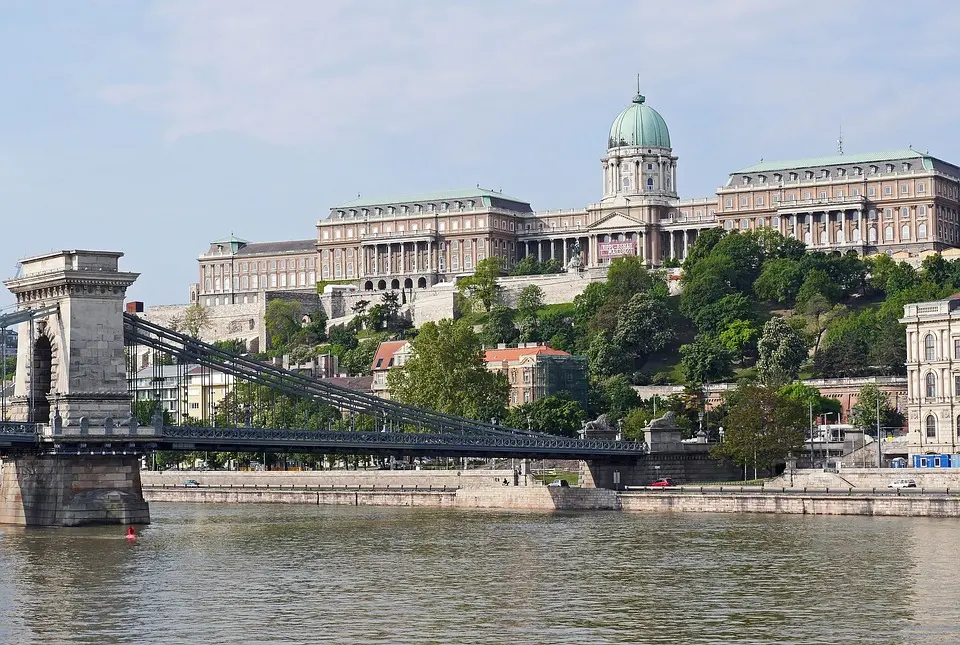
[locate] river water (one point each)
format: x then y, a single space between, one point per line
307 574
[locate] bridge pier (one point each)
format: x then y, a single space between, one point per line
683 467
72 490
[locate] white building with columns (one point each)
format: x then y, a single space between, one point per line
415 241
933 375
905 203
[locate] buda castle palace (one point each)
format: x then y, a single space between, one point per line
902 202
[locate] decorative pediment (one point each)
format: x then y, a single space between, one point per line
616 221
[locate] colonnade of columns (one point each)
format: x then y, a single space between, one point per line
651 247
837 227
394 258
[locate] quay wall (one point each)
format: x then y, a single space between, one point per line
504 497
369 497
333 478
906 505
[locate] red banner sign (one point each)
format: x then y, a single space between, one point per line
617 249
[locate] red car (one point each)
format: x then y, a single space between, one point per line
663 483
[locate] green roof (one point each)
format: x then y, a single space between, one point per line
839 160
639 125
479 194
230 240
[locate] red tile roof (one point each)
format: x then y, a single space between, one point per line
515 353
385 352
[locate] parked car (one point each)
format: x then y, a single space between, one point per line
663 483
192 483
902 483
559 483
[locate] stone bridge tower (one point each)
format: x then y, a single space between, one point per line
71 362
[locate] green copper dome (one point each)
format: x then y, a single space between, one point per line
639 125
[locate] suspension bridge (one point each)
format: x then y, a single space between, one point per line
71 408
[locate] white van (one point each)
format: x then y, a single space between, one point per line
902 483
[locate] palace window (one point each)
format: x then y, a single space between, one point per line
905 232
931 427
922 235
887 190
823 195
929 347
888 234
931 385
921 187
904 189
872 191
744 224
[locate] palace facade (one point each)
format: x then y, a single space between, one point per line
900 202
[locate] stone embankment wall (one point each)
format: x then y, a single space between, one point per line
334 478
354 497
497 497
547 498
905 505
937 478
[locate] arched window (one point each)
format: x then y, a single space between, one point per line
905 232
872 234
929 351
931 427
931 385
921 231
888 234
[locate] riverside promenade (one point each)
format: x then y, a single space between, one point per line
485 489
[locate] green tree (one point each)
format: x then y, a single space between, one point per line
739 338
937 270
282 321
482 287
360 307
529 328
499 327
863 414
618 396
781 352
626 277
196 318
705 360
643 326
810 398
780 280
358 359
817 283
604 358
762 427
447 372
714 317
234 346
557 414
702 246
529 299
635 422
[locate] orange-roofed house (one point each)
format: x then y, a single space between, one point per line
390 353
535 371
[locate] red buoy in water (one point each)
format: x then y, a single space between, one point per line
131 534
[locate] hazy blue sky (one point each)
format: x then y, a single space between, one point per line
153 127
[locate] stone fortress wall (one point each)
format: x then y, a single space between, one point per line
245 321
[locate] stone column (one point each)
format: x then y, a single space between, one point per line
673 253
655 257
552 243
565 260
686 243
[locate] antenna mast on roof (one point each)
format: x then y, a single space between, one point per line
840 141
638 83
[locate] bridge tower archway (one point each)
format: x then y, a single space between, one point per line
41 379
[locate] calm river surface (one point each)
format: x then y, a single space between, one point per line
307 574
